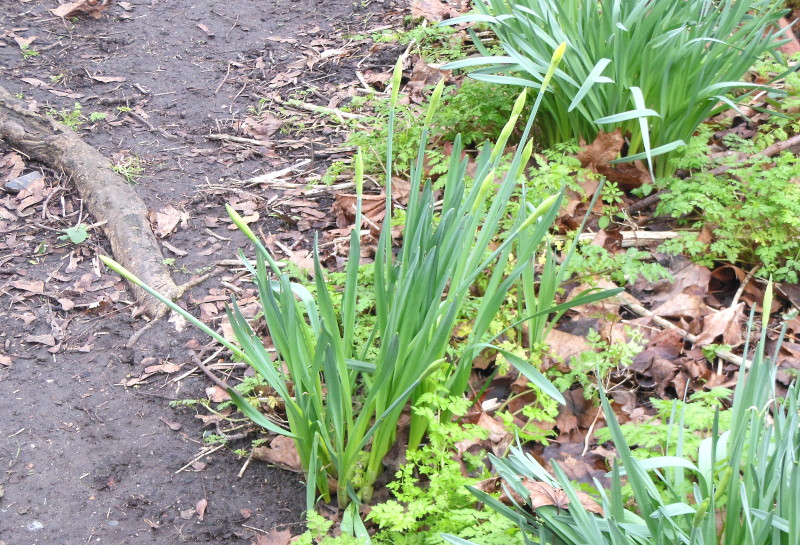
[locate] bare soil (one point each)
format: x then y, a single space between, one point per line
90 449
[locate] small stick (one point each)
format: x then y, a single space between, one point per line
227 73
246 463
770 151
236 139
276 175
743 285
201 455
313 108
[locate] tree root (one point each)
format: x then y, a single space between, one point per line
108 197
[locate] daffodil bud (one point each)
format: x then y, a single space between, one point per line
700 514
396 77
541 210
500 145
519 103
484 189
434 103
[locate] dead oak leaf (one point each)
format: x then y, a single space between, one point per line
109 79
727 323
275 537
11 166
217 394
47 340
281 452
90 8
263 128
437 10
565 345
598 157
32 286
602 151
541 494
682 305
166 220
200 508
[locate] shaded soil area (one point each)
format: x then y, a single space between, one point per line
90 449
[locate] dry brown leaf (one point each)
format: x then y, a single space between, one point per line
682 305
217 394
205 29
90 8
47 340
727 323
542 494
209 419
437 10
495 427
275 537
656 374
605 148
174 426
422 76
163 368
281 452
11 166
109 79
687 278
566 345
263 128
793 45
174 249
33 286
166 220
24 43
200 508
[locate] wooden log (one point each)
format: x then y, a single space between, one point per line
106 194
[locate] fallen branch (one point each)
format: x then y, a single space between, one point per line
108 197
634 238
632 304
771 151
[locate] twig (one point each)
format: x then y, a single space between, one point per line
313 108
276 175
770 151
237 139
246 463
216 236
743 285
150 126
207 360
227 73
238 263
644 203
633 238
201 455
210 374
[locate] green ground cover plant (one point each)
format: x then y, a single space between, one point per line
655 70
752 210
743 489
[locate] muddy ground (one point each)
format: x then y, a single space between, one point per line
90 449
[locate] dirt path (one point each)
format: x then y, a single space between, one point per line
90 450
